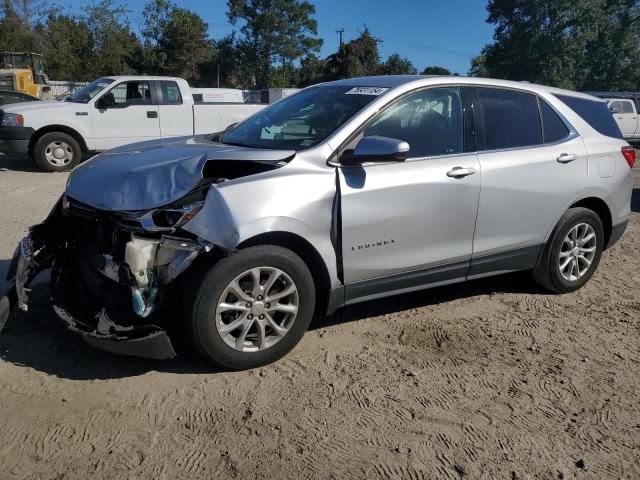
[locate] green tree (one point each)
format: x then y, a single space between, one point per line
277 30
174 41
396 65
435 71
113 45
576 44
356 58
16 34
312 70
155 17
68 49
186 44
233 63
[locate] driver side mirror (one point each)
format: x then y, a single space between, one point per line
376 149
614 110
107 101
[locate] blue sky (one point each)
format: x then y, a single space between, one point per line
428 32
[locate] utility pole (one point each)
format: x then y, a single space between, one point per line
340 32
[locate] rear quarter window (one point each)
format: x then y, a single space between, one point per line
170 92
595 113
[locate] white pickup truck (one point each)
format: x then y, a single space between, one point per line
110 112
625 113
624 106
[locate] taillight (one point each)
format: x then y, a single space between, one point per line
629 154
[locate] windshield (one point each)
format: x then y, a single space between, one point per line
302 120
89 91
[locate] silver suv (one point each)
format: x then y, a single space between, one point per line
345 192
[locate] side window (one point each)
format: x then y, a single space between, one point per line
170 93
616 106
131 93
430 121
553 128
627 106
510 118
595 113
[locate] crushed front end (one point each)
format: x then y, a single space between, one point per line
110 272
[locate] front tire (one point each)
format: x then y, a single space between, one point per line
57 152
252 307
573 252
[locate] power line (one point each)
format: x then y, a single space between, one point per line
443 51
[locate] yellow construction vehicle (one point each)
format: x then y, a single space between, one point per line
24 72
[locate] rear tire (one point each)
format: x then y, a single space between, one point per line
57 152
238 325
573 252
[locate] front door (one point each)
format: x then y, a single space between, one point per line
124 114
408 224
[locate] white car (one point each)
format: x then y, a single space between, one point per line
110 112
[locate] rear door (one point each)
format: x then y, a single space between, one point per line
126 113
176 115
624 111
533 164
411 223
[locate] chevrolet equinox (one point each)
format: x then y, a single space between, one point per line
345 192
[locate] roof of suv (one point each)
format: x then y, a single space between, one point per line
394 81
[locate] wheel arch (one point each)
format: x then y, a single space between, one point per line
57 129
306 251
600 208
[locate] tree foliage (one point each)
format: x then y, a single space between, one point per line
396 65
435 71
174 41
281 30
113 45
576 44
274 44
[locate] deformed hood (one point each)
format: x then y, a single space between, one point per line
151 174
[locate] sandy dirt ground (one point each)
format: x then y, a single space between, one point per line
491 379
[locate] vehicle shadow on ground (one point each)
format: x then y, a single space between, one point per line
18 163
635 200
22 163
38 340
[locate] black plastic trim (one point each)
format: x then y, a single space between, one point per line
525 258
14 146
519 259
16 133
387 285
336 299
616 233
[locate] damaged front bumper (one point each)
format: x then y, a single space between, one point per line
106 281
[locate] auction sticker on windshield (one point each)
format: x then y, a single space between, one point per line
366 91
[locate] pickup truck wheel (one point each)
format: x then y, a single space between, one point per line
573 252
252 307
57 152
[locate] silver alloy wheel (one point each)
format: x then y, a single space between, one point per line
577 252
257 309
58 153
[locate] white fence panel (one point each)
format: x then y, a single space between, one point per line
64 88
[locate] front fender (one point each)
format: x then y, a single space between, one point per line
295 201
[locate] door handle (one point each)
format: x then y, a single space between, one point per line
459 172
152 114
567 157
